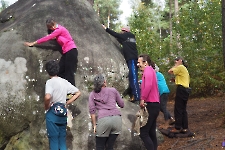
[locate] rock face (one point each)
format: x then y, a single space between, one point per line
22 118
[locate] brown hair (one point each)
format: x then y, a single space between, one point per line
50 23
145 58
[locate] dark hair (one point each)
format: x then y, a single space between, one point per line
184 62
52 67
145 58
98 83
49 31
50 22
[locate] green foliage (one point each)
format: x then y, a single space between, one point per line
197 36
3 4
108 9
146 23
199 30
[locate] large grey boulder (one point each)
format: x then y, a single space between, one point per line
22 76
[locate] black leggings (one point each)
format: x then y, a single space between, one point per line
148 132
68 65
106 143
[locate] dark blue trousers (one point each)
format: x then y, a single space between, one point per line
163 106
133 79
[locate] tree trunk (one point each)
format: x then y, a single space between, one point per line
176 7
108 24
223 30
170 15
176 15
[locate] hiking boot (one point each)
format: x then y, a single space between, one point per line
174 130
132 98
184 131
171 121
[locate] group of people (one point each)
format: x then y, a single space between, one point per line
60 85
152 93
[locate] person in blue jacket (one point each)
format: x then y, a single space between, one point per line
164 94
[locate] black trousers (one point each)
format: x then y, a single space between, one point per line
68 65
106 143
180 112
148 132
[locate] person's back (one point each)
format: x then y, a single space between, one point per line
128 41
56 90
105 102
60 88
130 53
164 94
102 100
162 85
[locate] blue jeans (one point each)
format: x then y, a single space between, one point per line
163 105
133 79
56 130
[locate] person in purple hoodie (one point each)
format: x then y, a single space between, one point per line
68 61
103 100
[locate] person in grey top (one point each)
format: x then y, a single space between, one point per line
103 100
56 90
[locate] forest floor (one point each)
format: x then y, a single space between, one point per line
206 120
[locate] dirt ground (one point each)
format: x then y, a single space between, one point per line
206 119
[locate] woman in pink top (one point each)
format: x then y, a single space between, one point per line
150 96
68 61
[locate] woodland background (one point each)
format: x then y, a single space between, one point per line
193 29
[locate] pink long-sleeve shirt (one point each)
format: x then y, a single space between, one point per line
62 36
149 86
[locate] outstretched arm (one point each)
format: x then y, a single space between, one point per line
30 43
111 32
44 39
